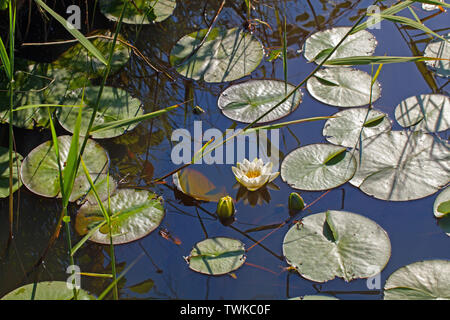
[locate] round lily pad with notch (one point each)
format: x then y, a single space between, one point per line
424 280
4 172
343 87
40 170
427 112
225 55
402 165
439 49
79 59
115 104
318 167
134 214
138 12
47 290
352 125
337 244
217 256
247 101
362 43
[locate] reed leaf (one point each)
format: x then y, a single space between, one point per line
126 122
411 23
363 60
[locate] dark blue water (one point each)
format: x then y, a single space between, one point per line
411 226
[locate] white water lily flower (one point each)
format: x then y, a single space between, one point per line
254 175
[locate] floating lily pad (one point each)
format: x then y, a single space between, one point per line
441 206
343 87
346 128
247 101
439 49
226 55
196 185
38 84
217 256
362 43
115 104
79 59
425 280
138 12
428 112
134 214
40 172
47 290
337 244
318 167
4 172
402 166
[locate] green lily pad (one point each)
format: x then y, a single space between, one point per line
138 12
134 214
336 244
441 206
47 290
247 101
40 171
38 84
217 256
115 104
424 280
439 49
79 59
402 166
318 167
362 43
427 112
225 55
346 128
4 172
343 87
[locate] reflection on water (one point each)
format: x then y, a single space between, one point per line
143 154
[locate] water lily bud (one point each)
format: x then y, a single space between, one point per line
296 203
225 208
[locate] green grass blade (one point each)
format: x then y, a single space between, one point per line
127 122
33 106
411 23
5 59
86 237
363 60
77 34
70 171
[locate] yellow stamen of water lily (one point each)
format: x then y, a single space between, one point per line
253 174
